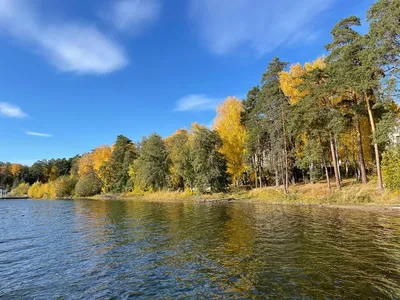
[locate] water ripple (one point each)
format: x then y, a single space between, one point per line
124 250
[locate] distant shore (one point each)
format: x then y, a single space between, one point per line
353 195
13 197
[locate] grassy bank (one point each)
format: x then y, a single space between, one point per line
352 193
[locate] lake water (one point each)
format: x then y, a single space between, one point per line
132 249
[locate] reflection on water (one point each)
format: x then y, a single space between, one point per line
89 249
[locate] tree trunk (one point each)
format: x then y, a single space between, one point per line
254 159
328 182
311 172
347 162
361 160
356 168
276 176
336 144
373 128
286 183
335 164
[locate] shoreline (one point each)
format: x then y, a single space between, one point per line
392 209
387 209
384 202
352 196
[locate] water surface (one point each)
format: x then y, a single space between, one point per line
132 249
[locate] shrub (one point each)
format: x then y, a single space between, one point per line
21 189
36 191
391 168
65 186
49 190
40 190
88 186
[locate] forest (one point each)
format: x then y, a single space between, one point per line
333 118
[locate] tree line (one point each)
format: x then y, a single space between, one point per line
326 120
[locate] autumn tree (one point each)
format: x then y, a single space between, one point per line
232 132
299 85
99 157
85 165
16 170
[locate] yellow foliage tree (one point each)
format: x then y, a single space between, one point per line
291 80
290 84
36 191
92 162
99 156
85 165
16 169
232 132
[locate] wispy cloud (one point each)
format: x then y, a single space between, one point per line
197 103
70 46
261 25
132 15
11 111
39 134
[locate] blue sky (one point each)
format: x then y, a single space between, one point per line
75 74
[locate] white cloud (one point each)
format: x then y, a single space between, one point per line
70 46
11 111
39 134
133 15
261 25
197 103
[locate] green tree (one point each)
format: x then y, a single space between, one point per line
115 173
65 186
88 186
208 163
179 153
151 168
274 109
256 138
384 36
354 67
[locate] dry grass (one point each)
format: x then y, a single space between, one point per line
160 195
352 193
318 193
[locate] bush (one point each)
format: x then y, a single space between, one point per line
39 190
21 189
65 186
36 191
49 190
88 186
391 168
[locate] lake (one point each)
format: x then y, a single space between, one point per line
134 249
